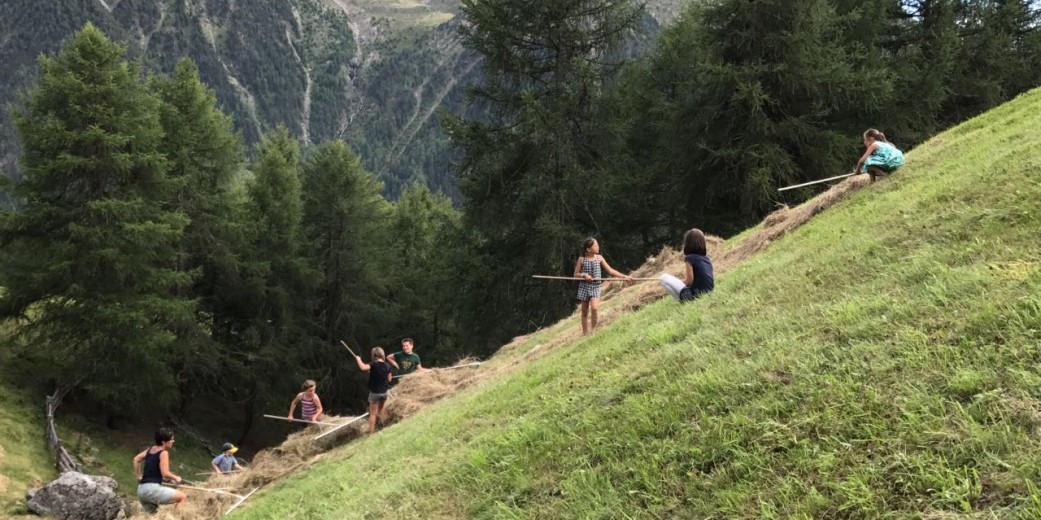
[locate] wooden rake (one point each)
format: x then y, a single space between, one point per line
474 364
284 418
339 426
241 498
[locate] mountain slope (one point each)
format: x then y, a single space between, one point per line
372 72
324 68
880 361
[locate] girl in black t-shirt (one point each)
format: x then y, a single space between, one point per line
379 383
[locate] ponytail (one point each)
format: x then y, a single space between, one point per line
876 135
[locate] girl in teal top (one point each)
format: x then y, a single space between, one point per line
880 156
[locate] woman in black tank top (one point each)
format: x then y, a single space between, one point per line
151 467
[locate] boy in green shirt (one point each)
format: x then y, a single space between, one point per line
406 361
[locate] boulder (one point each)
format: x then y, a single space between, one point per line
76 496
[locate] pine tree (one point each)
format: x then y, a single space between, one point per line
276 276
423 244
527 175
345 221
996 56
924 61
345 224
89 264
205 157
776 88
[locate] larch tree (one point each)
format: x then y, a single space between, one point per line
206 159
527 174
276 277
344 227
89 265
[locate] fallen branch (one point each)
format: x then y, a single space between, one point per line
183 428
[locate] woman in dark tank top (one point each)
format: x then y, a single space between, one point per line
151 467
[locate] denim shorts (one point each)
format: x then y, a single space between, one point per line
377 398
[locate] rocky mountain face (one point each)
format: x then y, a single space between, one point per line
372 72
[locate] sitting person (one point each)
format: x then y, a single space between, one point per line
698 279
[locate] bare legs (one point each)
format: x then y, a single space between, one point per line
589 307
875 171
375 409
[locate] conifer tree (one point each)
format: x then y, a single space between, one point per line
527 174
997 56
923 61
345 228
424 244
205 158
775 83
277 279
345 224
89 264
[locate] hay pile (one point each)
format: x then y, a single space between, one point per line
785 219
420 389
300 450
724 258
619 299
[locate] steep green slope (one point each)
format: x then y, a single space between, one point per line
879 362
24 460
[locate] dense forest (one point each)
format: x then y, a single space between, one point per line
161 254
326 70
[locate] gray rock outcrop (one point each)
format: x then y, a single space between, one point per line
77 496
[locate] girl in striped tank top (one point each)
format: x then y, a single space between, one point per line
588 267
310 404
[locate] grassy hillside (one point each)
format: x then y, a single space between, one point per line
24 459
879 362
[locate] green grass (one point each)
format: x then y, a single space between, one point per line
882 361
110 452
410 13
26 461
24 458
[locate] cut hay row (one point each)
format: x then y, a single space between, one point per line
300 450
414 394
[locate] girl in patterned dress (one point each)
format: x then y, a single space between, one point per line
588 267
880 156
